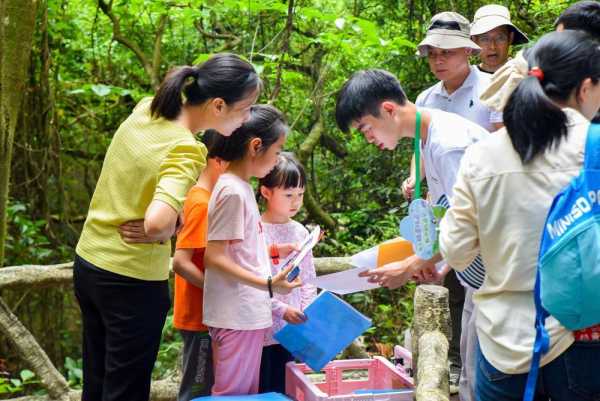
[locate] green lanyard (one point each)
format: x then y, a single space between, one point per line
418 156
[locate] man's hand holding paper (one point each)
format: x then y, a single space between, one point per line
396 274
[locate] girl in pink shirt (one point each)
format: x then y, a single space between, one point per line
238 284
283 190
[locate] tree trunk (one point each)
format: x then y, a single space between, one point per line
17 22
307 147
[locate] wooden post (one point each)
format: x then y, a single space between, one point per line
433 372
431 314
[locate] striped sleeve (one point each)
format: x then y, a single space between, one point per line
474 274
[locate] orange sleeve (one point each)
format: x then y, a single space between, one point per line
195 224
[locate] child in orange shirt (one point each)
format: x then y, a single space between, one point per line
197 377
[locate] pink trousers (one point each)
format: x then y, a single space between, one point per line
236 358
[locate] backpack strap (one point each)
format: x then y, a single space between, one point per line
542 338
541 344
592 148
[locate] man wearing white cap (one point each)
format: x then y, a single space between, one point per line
494 32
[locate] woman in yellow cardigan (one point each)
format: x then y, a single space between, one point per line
153 159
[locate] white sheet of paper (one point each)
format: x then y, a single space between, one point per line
346 282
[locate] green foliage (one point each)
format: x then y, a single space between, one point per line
390 310
73 369
170 348
26 241
15 385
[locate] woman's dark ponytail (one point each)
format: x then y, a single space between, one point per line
168 101
224 75
559 62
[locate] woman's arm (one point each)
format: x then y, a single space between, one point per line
160 221
177 173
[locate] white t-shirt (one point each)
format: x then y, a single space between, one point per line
233 216
464 101
448 136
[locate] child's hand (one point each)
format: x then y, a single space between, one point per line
133 232
294 316
285 249
280 284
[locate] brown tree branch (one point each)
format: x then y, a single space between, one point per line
329 143
161 390
156 54
232 41
31 352
151 66
36 276
285 47
311 141
118 36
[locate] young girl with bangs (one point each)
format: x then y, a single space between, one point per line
283 191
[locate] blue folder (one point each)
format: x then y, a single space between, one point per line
253 397
331 326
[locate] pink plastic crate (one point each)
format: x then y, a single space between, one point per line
382 375
403 360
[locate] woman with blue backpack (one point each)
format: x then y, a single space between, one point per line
503 193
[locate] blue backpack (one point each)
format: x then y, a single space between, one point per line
568 275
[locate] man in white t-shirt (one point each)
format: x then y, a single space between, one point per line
373 102
448 47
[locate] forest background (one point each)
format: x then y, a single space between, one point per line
90 62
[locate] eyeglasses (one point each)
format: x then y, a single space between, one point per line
485 40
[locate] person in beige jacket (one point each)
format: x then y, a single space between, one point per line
502 194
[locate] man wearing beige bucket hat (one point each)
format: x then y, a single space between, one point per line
447 47
494 32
